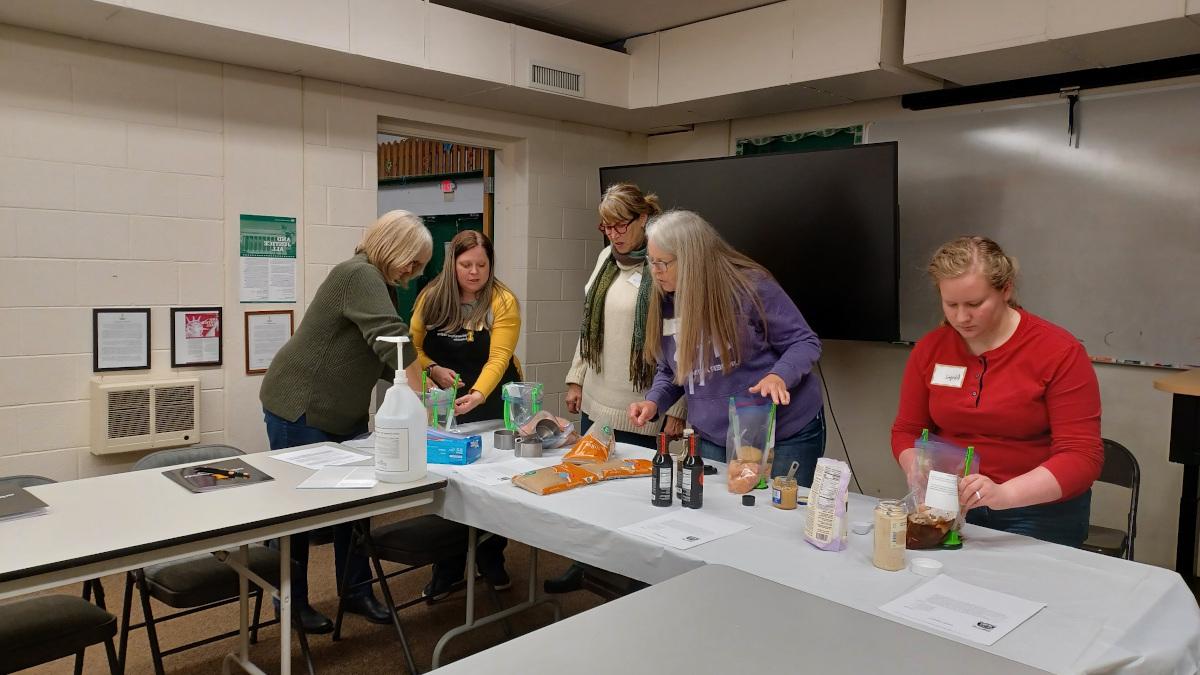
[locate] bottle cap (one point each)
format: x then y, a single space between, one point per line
926 567
747 500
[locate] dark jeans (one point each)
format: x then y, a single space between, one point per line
806 447
489 555
284 434
1063 523
629 437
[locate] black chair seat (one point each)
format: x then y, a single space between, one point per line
198 581
43 629
420 541
1106 541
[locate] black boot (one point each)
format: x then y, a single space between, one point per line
368 607
571 580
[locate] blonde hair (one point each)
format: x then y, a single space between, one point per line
623 202
966 254
441 303
393 241
713 282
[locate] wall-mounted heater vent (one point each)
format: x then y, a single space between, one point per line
556 80
141 415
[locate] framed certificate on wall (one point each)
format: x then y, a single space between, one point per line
266 333
120 339
195 336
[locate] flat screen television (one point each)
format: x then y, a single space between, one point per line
825 223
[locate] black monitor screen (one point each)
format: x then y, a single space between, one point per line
823 222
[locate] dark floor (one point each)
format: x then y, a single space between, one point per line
364 647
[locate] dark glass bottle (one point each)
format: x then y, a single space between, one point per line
692 476
662 477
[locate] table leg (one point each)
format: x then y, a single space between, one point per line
1185 541
471 623
244 604
285 605
240 561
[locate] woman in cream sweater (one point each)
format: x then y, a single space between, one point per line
608 372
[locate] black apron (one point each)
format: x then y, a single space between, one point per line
466 352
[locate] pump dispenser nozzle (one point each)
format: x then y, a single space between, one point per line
399 340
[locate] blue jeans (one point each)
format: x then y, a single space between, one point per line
1063 523
806 447
284 434
629 437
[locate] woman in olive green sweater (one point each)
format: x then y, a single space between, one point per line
319 385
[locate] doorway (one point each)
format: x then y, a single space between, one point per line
449 185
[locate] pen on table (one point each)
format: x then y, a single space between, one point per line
222 473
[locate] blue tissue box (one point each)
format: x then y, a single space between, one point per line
444 447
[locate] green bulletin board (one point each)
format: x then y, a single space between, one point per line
820 139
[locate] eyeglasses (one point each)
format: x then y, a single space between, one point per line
620 228
661 265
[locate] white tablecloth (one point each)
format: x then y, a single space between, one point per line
1103 615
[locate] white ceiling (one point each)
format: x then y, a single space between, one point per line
601 22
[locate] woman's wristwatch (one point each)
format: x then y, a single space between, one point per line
429 369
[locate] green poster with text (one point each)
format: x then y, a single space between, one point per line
267 251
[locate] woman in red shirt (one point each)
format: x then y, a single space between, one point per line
1017 387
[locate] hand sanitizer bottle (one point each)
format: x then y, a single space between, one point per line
399 430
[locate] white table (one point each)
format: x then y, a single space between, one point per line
717 619
112 524
1103 614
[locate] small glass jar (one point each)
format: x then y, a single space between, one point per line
783 492
891 528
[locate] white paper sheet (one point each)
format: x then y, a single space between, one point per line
336 477
963 610
121 340
684 528
366 443
495 473
320 457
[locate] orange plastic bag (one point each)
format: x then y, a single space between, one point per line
591 449
621 468
557 478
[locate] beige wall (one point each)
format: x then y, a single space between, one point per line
863 378
122 173
122 176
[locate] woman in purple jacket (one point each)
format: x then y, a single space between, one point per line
719 325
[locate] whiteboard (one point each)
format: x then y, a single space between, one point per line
1107 234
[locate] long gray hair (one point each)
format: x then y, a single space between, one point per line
712 281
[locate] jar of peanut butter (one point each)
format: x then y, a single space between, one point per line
783 492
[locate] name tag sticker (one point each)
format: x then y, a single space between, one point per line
948 376
670 326
635 279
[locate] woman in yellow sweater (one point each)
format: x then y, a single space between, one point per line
465 326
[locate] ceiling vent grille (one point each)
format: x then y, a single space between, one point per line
557 80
